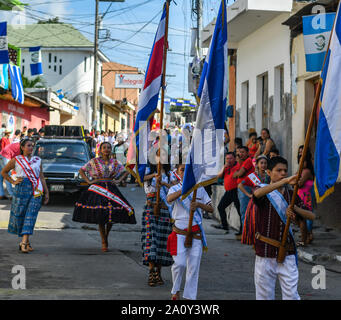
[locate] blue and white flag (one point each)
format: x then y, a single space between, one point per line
60 94
205 157
316 32
16 83
4 76
4 57
36 61
328 140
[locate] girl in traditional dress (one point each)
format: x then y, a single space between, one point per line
155 230
29 188
305 192
103 203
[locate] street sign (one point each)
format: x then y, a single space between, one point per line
129 81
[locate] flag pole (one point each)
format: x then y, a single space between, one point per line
189 235
282 248
165 50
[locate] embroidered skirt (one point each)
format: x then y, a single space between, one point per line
24 209
95 208
155 232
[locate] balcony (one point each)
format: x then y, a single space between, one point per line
246 16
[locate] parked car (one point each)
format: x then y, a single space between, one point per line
61 161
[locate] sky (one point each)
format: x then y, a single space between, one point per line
132 25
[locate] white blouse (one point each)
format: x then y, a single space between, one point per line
180 214
35 165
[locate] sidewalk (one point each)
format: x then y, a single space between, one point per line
324 250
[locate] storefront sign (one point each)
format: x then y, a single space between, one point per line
129 81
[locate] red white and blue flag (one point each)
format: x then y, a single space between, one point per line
137 152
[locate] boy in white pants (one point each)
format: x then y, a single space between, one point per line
271 205
186 257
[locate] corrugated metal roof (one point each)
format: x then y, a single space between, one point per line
47 35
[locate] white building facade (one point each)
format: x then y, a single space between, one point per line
263 68
68 63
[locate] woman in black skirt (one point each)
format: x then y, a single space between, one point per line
103 203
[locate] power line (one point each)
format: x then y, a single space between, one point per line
135 33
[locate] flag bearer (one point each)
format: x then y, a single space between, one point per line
186 258
267 225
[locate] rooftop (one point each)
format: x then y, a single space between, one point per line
47 35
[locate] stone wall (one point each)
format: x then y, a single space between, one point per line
281 131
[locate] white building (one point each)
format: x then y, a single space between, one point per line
263 67
67 58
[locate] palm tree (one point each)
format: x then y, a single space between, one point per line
37 82
11 4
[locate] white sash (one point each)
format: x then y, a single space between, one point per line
111 196
254 179
38 190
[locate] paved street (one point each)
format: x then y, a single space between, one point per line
68 264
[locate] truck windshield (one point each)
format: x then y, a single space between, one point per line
60 152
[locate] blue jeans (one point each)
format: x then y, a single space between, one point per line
244 201
309 225
3 162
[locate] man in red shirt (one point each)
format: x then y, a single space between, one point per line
230 185
6 155
5 140
245 168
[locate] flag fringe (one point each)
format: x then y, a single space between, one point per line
134 174
320 198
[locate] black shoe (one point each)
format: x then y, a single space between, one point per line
238 234
3 198
219 226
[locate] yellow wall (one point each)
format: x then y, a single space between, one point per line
303 100
114 122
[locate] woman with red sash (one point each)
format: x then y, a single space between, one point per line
30 186
103 203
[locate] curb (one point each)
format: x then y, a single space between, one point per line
308 257
305 256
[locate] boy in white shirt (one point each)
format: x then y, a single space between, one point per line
186 257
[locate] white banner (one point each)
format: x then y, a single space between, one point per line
129 81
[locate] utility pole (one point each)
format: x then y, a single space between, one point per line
94 94
199 9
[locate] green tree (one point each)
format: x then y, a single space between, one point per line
37 82
50 21
11 4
